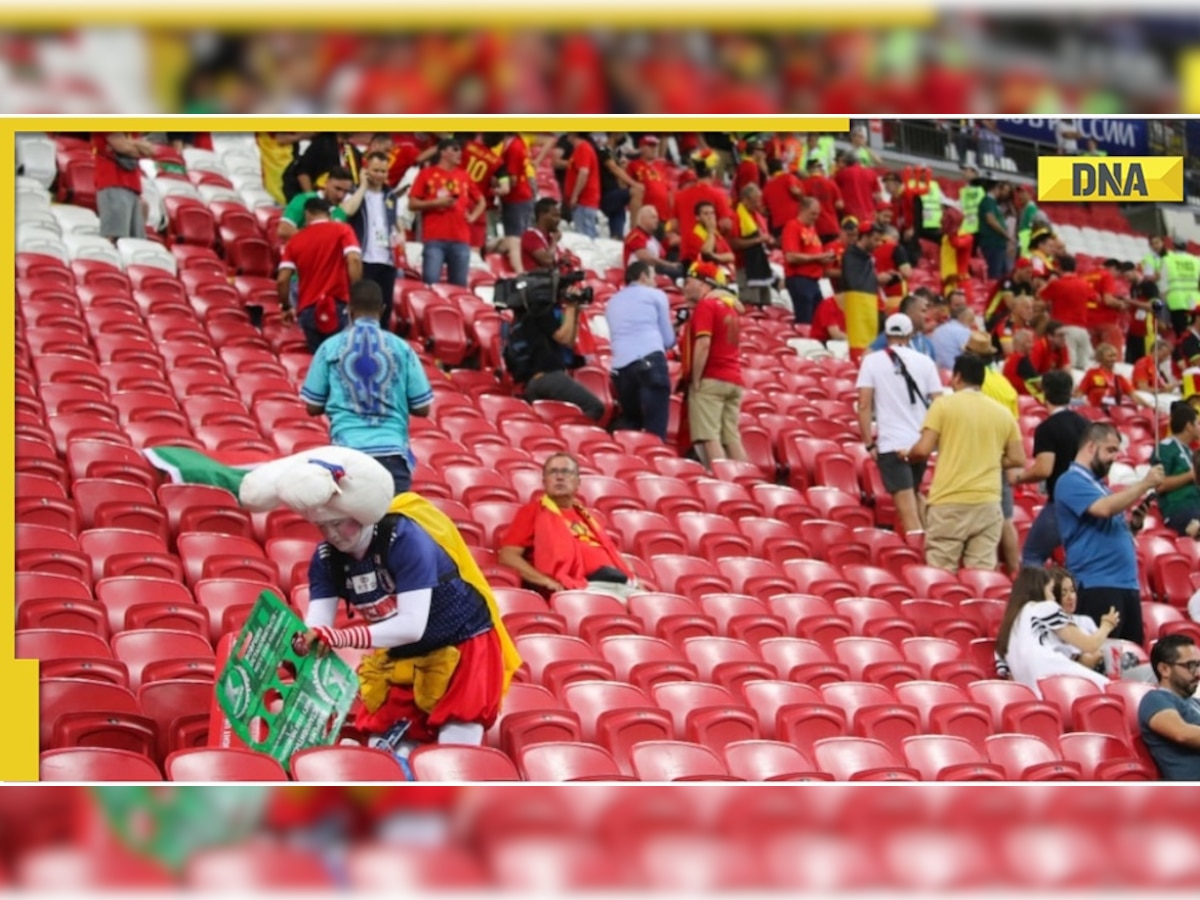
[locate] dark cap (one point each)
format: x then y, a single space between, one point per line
447 143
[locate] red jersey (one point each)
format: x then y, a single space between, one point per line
1019 370
693 240
107 173
800 238
652 175
1045 356
829 195
828 314
591 545
686 200
534 239
1104 388
520 171
1099 313
583 157
482 165
748 172
449 223
1069 296
716 318
317 253
639 239
1143 373
885 261
858 185
782 205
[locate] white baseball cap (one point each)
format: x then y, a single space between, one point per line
898 325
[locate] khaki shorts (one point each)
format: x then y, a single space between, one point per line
962 534
713 410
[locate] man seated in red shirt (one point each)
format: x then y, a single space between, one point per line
539 243
1103 387
556 543
1168 377
829 321
326 259
1069 296
1019 369
1050 350
642 244
705 243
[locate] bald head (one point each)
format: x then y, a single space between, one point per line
647 218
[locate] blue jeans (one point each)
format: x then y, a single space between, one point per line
1043 537
307 320
997 261
644 392
806 294
455 255
397 465
383 275
585 220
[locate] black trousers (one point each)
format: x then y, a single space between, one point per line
643 389
384 276
1096 601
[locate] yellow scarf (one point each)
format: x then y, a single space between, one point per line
747 224
442 530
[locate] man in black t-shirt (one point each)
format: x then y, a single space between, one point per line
1055 443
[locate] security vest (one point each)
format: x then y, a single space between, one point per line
1025 227
931 207
970 198
1183 274
825 152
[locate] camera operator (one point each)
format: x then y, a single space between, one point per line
541 342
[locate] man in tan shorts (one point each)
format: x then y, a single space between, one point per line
976 438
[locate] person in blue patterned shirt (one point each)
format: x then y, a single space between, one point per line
369 381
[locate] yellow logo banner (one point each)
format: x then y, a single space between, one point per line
1111 179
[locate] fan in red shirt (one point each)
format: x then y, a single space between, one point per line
1167 378
703 189
859 186
118 188
829 195
1050 350
753 167
1107 319
804 261
482 161
1102 386
782 194
1019 368
704 241
1068 297
407 150
651 172
829 321
642 244
539 243
581 190
449 201
326 259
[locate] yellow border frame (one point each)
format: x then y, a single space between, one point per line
19 678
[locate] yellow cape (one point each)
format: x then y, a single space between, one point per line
441 529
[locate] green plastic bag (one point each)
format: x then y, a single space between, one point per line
279 702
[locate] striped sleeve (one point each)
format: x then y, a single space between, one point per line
1047 618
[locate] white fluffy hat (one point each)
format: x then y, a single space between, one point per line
322 485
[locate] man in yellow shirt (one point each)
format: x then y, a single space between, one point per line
976 439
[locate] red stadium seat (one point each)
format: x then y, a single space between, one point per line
935 583
726 499
556 660
672 617
688 575
803 661
569 762
158 654
527 612
593 616
753 576
181 709
134 602
96 764
818 577
247 867
743 617
794 713
940 757
449 762
617 717
79 713
1024 757
941 660
119 551
706 713
860 759
108 504
222 764
770 761
1103 757
228 602
872 617
207 555
52 643
986 583
873 711
773 539
711 536
947 709
529 715
645 661
345 764
678 761
874 659
1016 709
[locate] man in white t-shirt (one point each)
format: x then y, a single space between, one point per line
1066 133
897 384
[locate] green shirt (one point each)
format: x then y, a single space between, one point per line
1176 459
989 236
294 211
